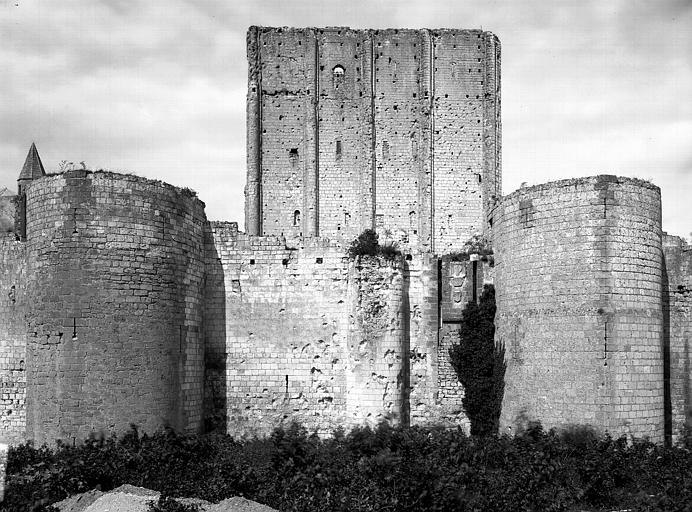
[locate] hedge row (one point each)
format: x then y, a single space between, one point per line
386 469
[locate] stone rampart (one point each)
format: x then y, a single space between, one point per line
677 317
578 280
308 334
115 282
13 308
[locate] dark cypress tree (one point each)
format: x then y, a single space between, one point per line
479 364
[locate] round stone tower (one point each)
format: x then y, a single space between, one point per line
578 280
115 286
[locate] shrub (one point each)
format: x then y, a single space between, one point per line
367 244
385 468
479 364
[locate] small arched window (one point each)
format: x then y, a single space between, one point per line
296 218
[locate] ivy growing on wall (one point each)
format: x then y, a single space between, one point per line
479 364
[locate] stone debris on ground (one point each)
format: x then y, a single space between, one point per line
128 498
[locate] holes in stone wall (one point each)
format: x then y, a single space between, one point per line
252 262
12 294
347 218
319 261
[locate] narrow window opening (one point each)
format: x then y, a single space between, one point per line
385 150
252 262
319 260
338 149
296 218
293 156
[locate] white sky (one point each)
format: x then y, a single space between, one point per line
157 87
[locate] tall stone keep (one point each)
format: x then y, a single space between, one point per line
397 130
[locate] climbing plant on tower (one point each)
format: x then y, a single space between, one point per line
479 364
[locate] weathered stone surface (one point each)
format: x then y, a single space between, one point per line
115 275
578 280
393 129
125 305
677 340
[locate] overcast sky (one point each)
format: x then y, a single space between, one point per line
158 87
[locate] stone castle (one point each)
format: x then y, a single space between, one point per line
121 303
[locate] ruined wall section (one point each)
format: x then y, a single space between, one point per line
465 127
288 130
281 350
115 281
346 135
403 133
13 308
7 211
377 362
677 309
402 124
309 335
578 282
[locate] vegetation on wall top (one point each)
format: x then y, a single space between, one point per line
368 244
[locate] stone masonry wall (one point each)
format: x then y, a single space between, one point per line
115 285
276 348
13 308
677 309
355 129
308 335
578 281
457 289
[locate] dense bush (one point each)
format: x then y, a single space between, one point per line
367 244
479 364
395 469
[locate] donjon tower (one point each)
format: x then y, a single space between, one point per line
395 130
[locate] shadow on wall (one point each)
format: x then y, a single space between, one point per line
665 340
215 380
406 347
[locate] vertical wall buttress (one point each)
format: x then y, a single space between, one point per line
253 189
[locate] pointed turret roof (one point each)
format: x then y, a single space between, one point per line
33 167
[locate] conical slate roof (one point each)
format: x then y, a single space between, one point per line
33 167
